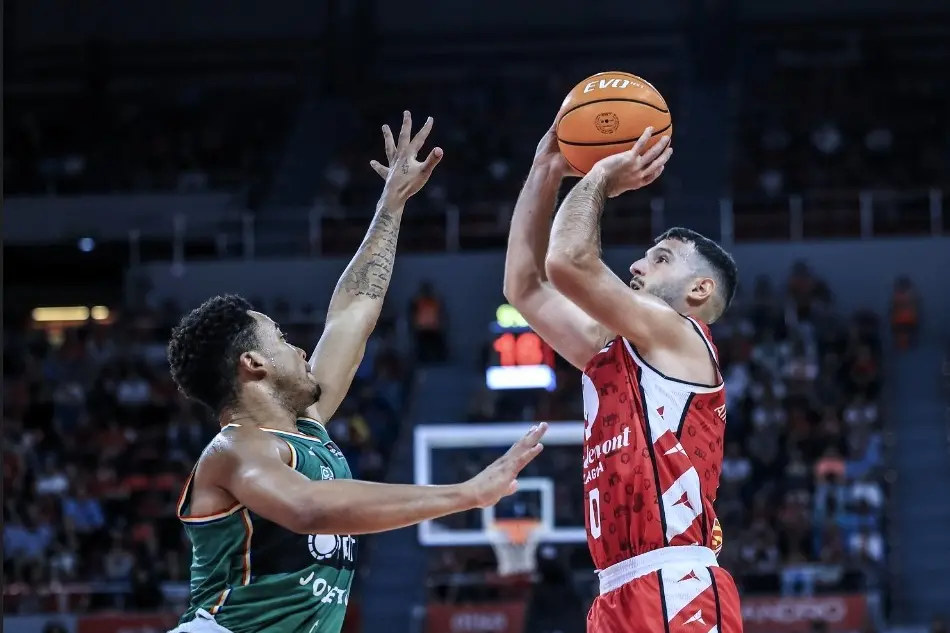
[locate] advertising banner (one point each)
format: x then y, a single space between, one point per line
39 623
501 617
843 613
127 623
117 622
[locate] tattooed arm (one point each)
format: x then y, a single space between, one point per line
354 309
564 326
358 298
575 267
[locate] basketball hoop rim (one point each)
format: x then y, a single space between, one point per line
518 532
515 542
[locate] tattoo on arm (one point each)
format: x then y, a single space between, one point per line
369 273
578 221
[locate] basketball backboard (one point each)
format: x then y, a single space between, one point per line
551 486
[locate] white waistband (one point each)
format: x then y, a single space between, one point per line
623 572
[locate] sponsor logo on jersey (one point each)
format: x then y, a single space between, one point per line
696 617
334 450
325 547
593 467
326 473
716 537
327 593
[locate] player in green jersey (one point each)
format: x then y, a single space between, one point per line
271 508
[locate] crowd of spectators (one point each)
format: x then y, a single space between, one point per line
162 141
817 115
97 444
803 487
803 493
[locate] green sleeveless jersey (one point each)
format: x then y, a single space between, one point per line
253 575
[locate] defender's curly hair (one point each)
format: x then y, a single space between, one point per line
206 346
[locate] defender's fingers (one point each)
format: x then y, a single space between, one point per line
530 439
527 457
389 143
526 443
433 159
534 434
406 129
379 169
420 139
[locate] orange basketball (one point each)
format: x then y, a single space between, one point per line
605 114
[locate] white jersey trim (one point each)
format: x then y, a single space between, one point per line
683 385
696 557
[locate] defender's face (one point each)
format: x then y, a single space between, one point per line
290 371
664 271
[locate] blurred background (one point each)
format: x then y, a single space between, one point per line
160 152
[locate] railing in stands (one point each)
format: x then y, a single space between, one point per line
632 220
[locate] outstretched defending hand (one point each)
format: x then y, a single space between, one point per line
500 478
635 168
405 175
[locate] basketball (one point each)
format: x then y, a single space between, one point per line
605 114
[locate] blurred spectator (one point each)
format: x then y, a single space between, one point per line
83 512
736 467
905 311
26 542
118 561
427 316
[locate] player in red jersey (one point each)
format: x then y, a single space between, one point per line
654 401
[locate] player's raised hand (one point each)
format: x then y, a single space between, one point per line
548 154
637 167
403 173
500 478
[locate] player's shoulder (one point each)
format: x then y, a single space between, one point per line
235 444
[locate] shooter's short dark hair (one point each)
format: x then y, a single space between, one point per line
722 264
206 347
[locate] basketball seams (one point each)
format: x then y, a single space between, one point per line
573 166
603 143
614 100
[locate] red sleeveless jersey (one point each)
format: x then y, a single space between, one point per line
653 450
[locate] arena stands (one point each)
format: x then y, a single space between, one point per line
189 140
816 121
97 444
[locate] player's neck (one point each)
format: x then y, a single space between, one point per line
258 407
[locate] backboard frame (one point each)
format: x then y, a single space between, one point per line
434 436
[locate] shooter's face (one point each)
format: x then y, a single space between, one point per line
664 271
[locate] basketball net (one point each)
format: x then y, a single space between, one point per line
515 542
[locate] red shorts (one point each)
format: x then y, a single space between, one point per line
679 597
